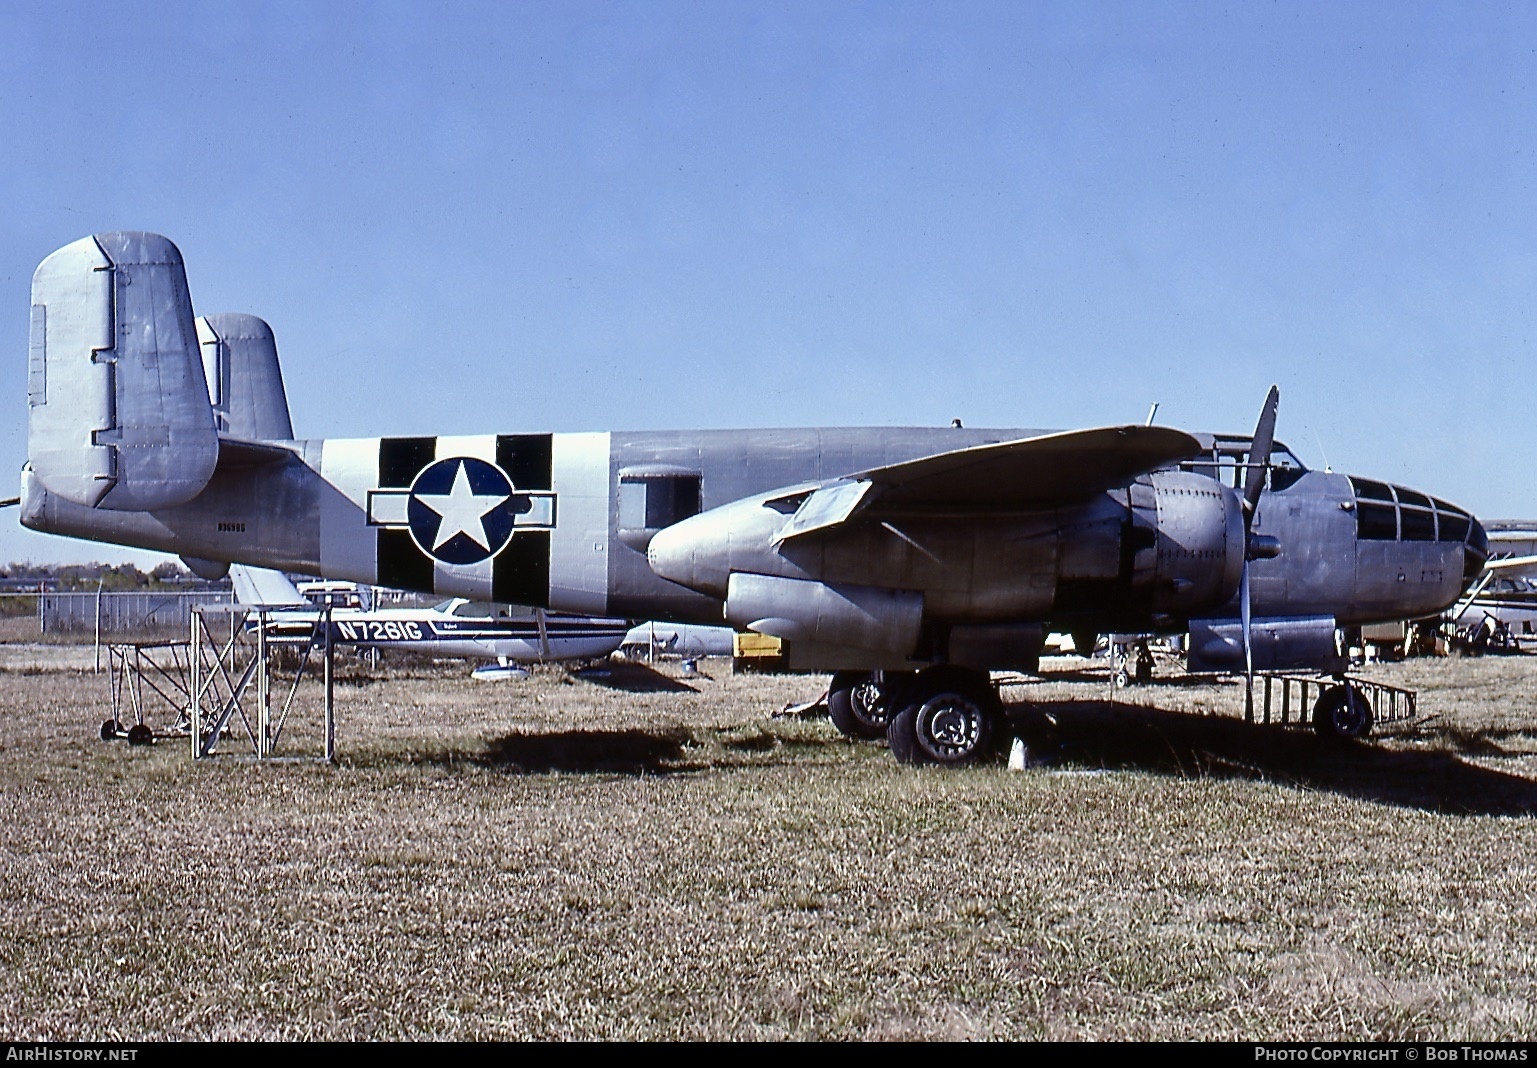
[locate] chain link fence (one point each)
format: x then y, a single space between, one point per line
120 612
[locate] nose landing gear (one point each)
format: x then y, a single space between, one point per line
1342 711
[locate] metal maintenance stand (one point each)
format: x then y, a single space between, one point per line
1293 699
223 675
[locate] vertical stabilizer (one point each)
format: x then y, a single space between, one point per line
245 383
118 412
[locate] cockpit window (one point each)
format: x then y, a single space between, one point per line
1376 522
1228 459
1454 526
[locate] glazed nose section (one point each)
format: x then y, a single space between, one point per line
1389 513
1475 553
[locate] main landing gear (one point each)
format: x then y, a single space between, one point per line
942 715
860 702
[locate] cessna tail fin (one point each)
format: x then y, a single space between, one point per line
259 587
118 408
245 383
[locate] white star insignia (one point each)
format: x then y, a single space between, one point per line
463 511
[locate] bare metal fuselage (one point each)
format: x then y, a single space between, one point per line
339 509
864 548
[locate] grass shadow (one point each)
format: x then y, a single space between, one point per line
629 752
1103 734
665 751
634 677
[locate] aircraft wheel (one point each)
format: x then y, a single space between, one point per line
1342 712
948 719
109 730
139 734
903 738
860 702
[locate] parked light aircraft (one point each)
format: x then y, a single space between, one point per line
910 562
508 634
1499 609
686 640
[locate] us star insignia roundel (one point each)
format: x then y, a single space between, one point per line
465 516
461 510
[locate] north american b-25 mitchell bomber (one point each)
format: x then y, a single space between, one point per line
908 562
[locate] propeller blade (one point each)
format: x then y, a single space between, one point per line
1259 454
10 501
1248 646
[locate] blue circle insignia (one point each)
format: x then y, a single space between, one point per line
461 510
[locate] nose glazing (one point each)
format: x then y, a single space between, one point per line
1475 553
1397 513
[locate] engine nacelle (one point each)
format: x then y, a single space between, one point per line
1276 644
1199 540
800 611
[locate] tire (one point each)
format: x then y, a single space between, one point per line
858 705
903 738
139 734
1342 712
109 730
949 719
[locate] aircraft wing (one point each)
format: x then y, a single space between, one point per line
1030 472
1512 563
1024 474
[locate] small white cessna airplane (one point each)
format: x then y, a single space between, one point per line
458 627
1499 609
910 562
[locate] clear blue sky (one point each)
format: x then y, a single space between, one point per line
581 216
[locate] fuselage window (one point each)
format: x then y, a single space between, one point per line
657 501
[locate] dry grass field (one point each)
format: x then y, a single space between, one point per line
641 855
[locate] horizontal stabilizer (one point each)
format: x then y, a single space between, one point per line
236 453
1028 473
118 411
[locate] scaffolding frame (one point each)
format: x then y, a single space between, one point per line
218 685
